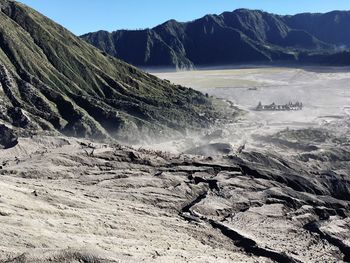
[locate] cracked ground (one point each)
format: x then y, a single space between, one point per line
69 200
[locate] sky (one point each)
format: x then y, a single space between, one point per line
83 16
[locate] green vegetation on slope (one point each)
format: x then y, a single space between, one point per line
53 80
241 36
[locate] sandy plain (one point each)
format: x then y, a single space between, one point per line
324 91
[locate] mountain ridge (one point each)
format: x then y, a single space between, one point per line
241 36
51 80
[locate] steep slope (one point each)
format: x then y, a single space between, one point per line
332 27
207 41
143 47
240 36
269 28
53 80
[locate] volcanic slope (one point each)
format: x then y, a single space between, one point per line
52 80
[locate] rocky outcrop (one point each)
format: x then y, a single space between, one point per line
7 137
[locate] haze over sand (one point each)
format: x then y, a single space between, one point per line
324 92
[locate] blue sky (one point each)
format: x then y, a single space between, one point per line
82 16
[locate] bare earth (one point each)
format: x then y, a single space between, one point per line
324 92
54 196
121 205
284 198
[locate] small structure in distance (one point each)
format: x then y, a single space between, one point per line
275 107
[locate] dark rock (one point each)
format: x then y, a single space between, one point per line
19 119
8 139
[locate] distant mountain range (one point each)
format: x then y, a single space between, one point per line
241 36
51 80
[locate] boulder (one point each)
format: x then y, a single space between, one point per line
8 139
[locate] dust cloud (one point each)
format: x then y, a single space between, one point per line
324 92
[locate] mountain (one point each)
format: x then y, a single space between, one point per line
52 80
140 48
332 27
241 36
